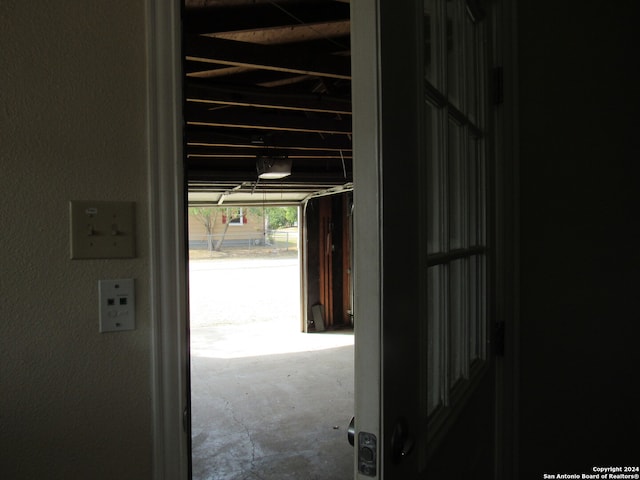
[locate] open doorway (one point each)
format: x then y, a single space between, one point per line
267 124
268 400
207 136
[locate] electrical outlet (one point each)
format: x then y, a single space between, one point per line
117 305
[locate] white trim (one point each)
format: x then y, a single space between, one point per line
167 243
237 221
367 200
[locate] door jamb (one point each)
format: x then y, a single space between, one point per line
167 252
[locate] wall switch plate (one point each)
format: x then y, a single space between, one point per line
117 305
102 229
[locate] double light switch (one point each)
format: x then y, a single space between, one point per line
102 229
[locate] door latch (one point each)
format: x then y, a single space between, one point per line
351 431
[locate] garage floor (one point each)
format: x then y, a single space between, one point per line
268 402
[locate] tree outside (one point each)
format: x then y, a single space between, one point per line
277 217
207 216
271 218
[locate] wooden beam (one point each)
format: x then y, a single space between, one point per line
258 121
307 32
246 152
265 98
311 181
267 57
280 140
290 80
205 72
245 75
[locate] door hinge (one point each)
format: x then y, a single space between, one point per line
497 86
499 338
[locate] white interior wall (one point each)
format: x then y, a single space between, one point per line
75 403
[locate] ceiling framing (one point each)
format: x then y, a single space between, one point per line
266 78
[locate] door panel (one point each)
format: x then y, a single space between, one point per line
424 375
466 450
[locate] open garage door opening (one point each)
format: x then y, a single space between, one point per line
271 340
267 124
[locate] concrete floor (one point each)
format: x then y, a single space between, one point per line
268 402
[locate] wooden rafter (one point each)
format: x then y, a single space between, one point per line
281 140
265 98
257 121
259 17
267 57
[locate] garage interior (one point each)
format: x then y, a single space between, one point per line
267 85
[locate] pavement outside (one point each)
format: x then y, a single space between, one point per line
268 402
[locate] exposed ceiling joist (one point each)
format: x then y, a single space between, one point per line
268 57
259 121
265 98
266 77
202 70
291 80
222 152
291 34
262 16
282 140
323 167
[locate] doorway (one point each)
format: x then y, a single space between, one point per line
369 267
267 400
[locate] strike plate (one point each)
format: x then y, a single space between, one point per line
367 454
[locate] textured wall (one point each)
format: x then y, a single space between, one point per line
74 403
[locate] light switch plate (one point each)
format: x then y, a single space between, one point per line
102 229
117 305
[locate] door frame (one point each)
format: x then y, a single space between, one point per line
167 247
168 263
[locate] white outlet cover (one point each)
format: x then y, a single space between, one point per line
117 305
